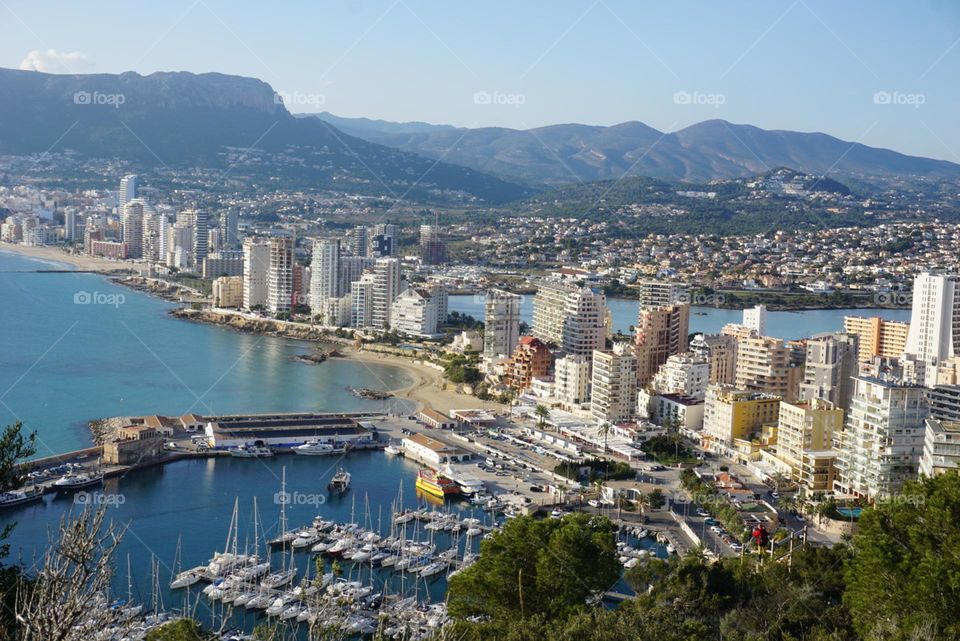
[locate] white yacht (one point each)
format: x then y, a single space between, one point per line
79 481
20 497
316 447
393 450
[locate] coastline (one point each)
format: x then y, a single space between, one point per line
428 388
78 262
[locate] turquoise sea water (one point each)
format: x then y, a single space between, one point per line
789 325
64 361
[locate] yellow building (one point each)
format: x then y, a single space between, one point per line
730 414
805 436
228 291
878 337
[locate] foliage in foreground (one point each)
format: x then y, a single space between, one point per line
898 580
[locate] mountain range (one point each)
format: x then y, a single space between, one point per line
241 127
214 120
709 150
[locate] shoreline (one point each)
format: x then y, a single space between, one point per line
75 262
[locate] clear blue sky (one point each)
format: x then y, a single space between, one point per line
808 65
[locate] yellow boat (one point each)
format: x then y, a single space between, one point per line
436 484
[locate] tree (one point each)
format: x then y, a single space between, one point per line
533 567
656 499
63 602
180 630
903 578
542 413
605 430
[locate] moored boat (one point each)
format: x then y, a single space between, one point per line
315 447
340 482
436 484
20 497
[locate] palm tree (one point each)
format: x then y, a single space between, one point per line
542 413
605 428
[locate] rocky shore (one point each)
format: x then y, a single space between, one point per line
269 327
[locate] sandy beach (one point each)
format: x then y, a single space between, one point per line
428 387
75 261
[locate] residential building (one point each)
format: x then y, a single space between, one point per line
228 262
324 273
280 274
934 335
467 342
229 226
730 414
755 319
685 374
571 381
831 364
941 447
201 235
805 431
945 402
359 242
383 243
132 224
877 336
720 352
570 317
501 324
228 291
256 261
881 443
531 358
361 302
613 384
660 293
769 365
661 332
155 236
685 412
386 286
415 311
350 269
128 190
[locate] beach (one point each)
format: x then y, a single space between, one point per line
79 262
427 390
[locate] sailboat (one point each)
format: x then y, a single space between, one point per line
184 579
283 537
224 562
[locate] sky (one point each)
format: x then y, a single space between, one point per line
881 73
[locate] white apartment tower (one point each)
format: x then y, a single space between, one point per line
280 274
613 385
882 441
128 190
324 273
256 266
386 281
501 324
934 334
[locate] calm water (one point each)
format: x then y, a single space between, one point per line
788 325
64 363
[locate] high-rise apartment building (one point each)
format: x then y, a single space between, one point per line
661 332
229 229
934 335
386 279
881 443
280 274
416 311
941 448
383 243
531 359
201 235
769 365
877 337
361 301
755 319
831 364
570 317
720 351
128 190
501 324
131 222
324 273
360 241
256 269
685 374
613 384
571 381
660 293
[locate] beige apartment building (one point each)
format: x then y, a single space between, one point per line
804 440
878 337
